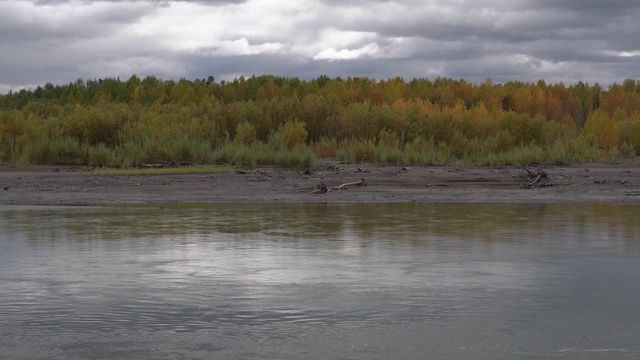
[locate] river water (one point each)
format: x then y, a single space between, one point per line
293 281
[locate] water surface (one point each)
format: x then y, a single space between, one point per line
375 281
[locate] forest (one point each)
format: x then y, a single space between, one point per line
270 120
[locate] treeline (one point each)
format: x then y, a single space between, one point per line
277 120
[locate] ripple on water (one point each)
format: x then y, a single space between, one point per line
395 279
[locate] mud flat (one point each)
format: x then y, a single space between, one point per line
66 185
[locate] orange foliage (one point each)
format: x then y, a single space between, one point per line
111 113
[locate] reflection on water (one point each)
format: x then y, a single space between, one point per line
482 281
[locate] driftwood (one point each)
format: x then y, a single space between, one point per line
399 171
322 188
256 175
333 166
253 172
362 182
535 179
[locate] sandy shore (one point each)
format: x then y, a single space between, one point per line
57 185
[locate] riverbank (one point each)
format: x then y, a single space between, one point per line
65 185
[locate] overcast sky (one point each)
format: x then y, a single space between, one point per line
508 40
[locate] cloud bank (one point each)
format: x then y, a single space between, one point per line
507 40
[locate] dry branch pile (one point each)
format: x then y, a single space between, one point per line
534 179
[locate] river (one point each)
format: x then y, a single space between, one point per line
320 281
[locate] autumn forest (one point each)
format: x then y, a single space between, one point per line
268 120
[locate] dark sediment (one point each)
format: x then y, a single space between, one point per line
53 185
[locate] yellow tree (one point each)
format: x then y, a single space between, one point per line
604 129
539 105
522 101
554 108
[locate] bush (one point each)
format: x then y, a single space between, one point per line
355 151
100 156
603 128
629 137
245 134
290 135
8 152
326 148
64 151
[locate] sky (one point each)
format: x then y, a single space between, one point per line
565 41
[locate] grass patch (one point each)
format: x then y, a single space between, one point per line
263 154
164 171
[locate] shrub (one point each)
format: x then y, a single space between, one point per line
8 152
603 128
629 135
63 151
388 138
357 151
291 134
326 148
102 156
245 134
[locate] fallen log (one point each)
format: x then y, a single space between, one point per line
322 188
362 182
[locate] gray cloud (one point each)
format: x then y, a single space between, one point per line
569 41
161 2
